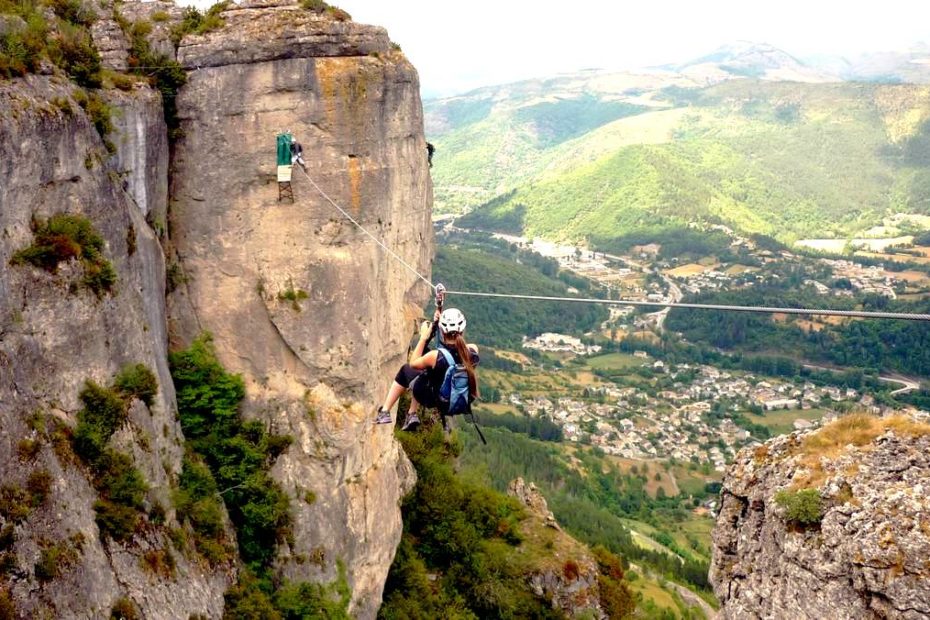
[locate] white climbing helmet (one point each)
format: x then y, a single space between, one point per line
452 320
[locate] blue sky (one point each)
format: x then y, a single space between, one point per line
457 46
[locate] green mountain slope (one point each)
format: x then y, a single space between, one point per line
786 159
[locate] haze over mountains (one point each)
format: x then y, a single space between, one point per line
748 136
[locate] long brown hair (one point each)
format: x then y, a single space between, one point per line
461 347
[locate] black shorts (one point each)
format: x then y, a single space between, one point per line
417 381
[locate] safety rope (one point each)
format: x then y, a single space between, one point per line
904 316
365 230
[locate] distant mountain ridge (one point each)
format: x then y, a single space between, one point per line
910 65
755 60
748 136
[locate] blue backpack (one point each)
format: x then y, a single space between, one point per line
454 392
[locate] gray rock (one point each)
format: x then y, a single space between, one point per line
54 335
141 157
866 559
111 42
279 31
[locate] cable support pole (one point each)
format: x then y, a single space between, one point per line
365 230
658 304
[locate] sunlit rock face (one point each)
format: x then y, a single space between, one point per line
308 309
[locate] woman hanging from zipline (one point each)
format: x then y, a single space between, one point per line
425 373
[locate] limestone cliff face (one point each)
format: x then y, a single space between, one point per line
55 334
315 364
868 555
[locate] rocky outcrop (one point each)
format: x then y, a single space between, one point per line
54 335
867 557
568 577
299 301
297 33
529 496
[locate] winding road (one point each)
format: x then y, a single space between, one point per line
908 384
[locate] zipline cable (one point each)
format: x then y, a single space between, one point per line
671 304
365 230
863 314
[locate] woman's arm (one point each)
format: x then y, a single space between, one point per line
418 360
423 362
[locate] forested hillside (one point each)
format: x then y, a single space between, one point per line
786 159
486 265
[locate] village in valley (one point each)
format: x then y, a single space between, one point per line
633 406
638 422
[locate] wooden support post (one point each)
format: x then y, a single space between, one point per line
285 191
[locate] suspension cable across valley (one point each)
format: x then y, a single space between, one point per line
864 314
859 314
365 230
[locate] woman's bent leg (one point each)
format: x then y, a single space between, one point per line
393 394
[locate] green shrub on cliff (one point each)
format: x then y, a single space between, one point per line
319 6
239 453
195 22
64 40
73 50
137 381
22 48
457 557
804 507
164 73
120 485
73 11
64 237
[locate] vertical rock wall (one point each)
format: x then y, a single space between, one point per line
141 158
55 334
308 309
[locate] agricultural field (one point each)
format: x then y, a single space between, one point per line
782 422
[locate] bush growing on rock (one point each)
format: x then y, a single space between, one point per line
58 557
239 453
7 608
73 11
65 237
195 22
21 48
804 507
75 53
137 381
121 486
124 609
104 411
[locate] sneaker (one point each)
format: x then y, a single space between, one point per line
447 424
411 423
383 417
